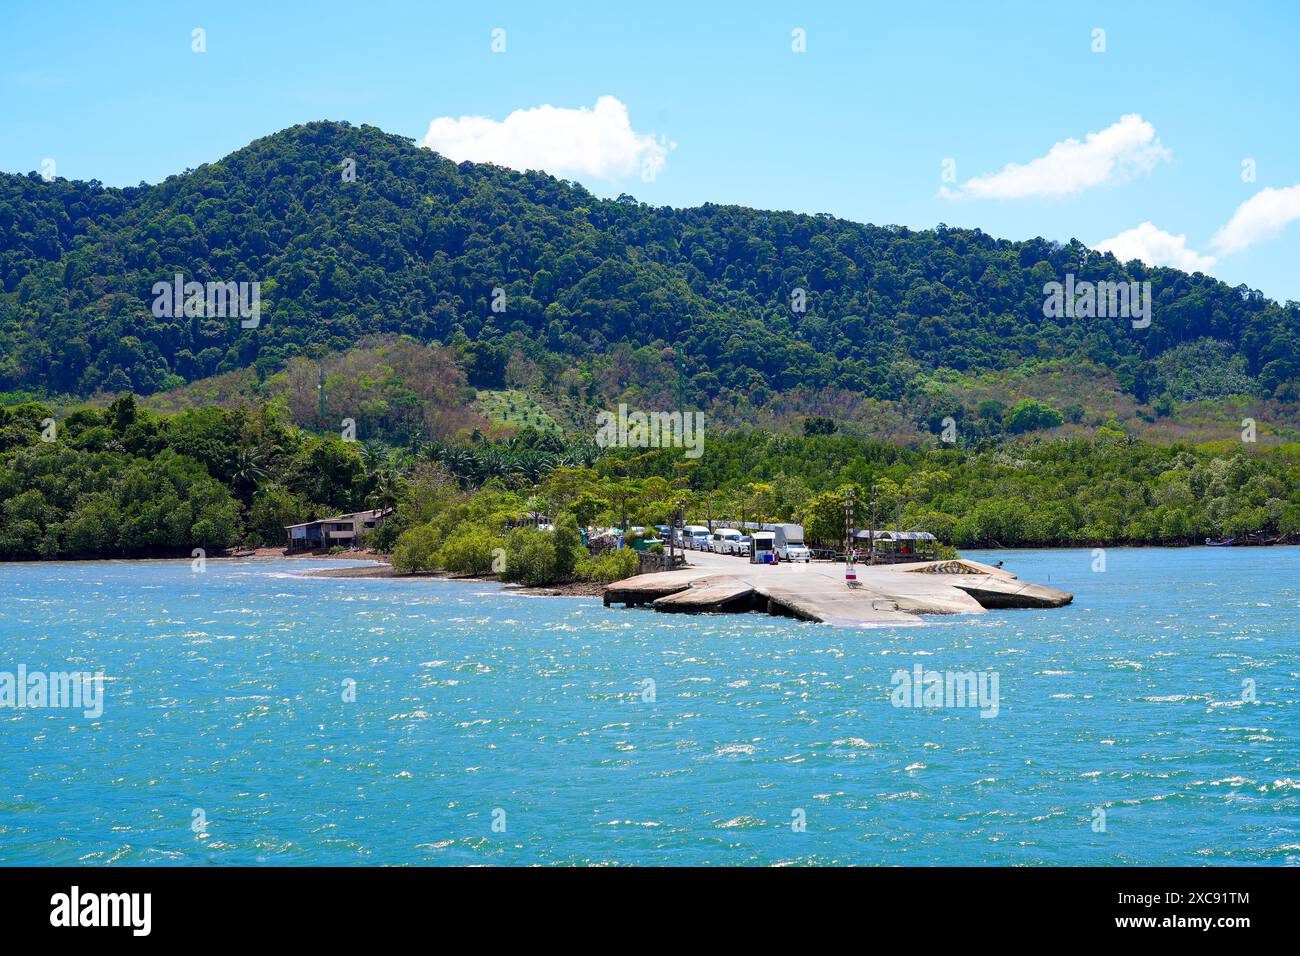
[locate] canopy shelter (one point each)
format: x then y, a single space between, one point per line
894 546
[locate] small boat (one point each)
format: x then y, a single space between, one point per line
1252 539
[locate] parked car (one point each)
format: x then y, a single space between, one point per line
695 537
722 540
742 545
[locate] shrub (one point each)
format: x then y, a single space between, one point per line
468 550
384 538
568 545
415 549
613 566
530 557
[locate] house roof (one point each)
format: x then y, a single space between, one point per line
347 517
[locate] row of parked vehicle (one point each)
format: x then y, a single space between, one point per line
783 541
696 537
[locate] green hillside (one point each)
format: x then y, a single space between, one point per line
596 299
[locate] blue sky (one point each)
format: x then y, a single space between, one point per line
714 100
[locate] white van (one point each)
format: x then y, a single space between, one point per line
724 541
789 542
695 537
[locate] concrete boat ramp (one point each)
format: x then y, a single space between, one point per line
884 594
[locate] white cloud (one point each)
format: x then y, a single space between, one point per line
1263 216
581 143
1155 247
1121 150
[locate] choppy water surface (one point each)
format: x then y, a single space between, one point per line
226 695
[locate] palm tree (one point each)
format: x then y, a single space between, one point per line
250 469
374 456
461 462
536 465
387 492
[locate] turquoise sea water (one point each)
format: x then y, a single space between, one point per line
225 694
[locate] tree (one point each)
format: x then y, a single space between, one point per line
530 557
273 509
387 491
823 518
818 425
620 494
568 545
1030 415
760 493
416 549
469 550
249 470
587 507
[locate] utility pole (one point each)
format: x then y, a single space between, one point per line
678 516
850 497
672 533
871 546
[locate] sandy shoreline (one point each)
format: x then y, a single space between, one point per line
386 570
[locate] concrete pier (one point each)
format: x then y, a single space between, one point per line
883 594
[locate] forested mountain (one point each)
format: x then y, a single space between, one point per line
681 305
424 308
